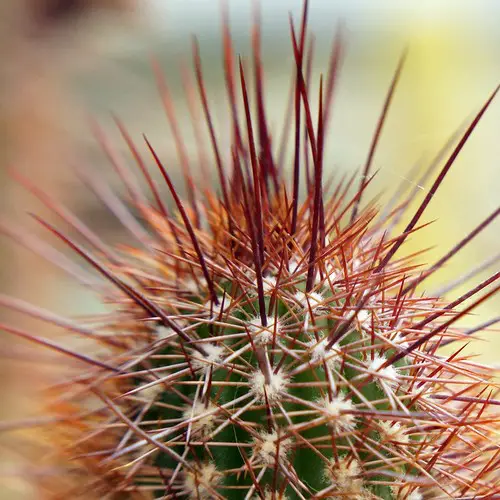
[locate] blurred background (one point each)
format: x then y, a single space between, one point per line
64 61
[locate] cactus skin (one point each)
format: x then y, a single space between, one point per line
262 347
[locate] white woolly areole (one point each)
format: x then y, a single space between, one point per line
320 352
312 300
217 309
198 481
415 495
264 334
270 495
293 264
213 355
388 374
401 493
364 317
338 411
401 341
394 432
269 284
344 475
273 391
356 264
269 448
190 285
203 425
151 393
329 276
164 332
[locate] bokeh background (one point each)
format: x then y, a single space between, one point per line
64 61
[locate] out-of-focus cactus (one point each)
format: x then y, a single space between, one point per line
265 343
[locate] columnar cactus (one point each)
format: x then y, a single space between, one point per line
268 344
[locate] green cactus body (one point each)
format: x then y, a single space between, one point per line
285 408
262 346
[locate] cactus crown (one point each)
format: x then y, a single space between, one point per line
266 347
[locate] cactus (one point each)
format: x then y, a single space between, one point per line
265 344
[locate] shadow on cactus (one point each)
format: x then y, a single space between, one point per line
267 341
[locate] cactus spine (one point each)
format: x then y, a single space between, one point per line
266 347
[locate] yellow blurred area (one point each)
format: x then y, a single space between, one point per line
450 75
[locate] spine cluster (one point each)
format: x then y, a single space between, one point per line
266 340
